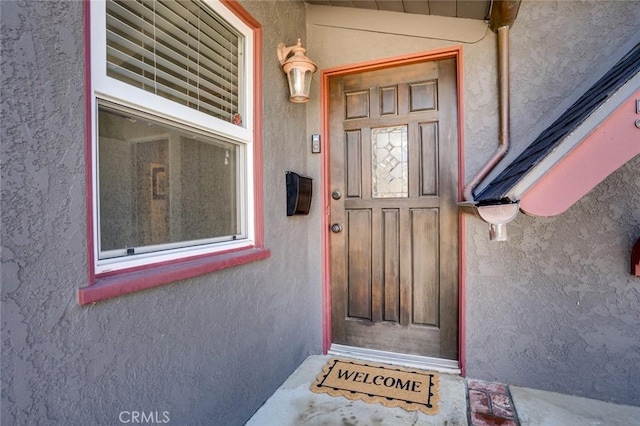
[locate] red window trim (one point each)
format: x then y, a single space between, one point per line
157 275
106 286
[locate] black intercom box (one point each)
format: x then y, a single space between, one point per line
299 190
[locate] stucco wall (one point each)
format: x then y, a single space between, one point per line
208 350
558 50
554 307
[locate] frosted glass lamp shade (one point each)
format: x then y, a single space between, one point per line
299 70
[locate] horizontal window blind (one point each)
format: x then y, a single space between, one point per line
180 50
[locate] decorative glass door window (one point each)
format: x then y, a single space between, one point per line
390 168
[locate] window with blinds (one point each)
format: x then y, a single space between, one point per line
180 50
172 131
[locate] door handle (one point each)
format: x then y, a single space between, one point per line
336 227
336 195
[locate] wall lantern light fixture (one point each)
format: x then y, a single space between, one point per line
298 69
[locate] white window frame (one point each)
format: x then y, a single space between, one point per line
111 90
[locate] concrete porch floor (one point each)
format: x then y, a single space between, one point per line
294 404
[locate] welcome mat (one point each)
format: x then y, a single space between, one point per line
377 383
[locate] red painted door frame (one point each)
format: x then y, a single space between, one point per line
325 76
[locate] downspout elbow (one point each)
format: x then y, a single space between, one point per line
498 155
498 216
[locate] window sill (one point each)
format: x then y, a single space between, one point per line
130 282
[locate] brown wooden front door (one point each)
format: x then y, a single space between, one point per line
394 184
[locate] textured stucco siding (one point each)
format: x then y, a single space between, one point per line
208 350
554 307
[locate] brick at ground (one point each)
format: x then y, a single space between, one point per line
479 419
490 404
481 385
501 405
478 402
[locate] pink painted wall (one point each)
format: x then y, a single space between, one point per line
614 142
